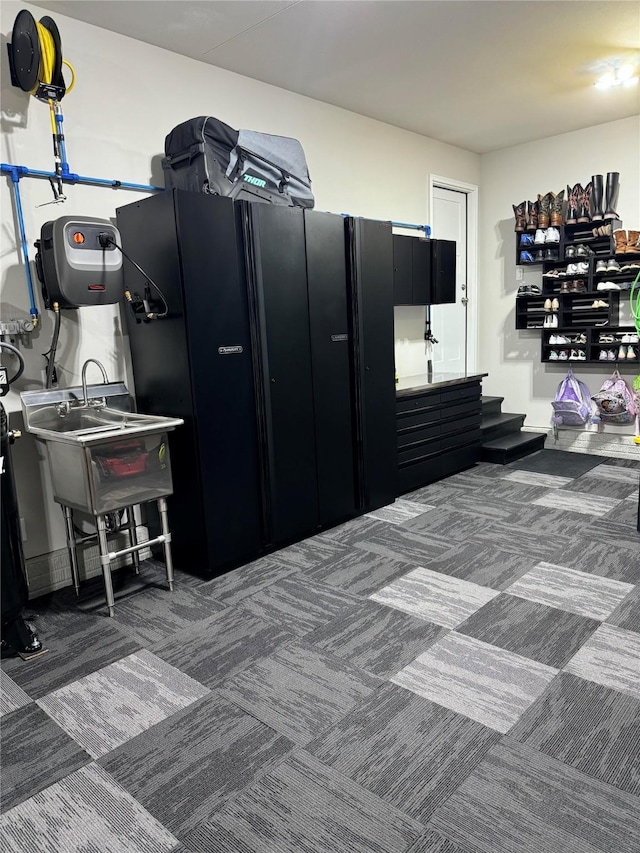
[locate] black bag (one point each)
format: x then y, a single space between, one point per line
206 155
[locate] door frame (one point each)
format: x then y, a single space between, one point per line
471 192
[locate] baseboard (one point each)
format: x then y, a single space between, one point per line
595 443
52 571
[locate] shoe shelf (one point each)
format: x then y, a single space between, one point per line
586 345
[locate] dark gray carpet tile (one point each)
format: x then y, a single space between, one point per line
614 533
530 629
601 487
519 799
512 492
303 807
359 572
299 691
397 542
153 614
447 523
376 638
309 553
237 584
594 729
483 564
437 494
627 614
618 562
551 521
184 768
60 622
434 842
560 463
351 531
625 513
405 749
621 463
514 539
220 646
71 657
298 604
35 754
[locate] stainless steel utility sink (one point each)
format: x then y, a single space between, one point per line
89 425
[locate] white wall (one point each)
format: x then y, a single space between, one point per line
512 358
128 97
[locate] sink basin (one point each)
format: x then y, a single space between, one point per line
90 425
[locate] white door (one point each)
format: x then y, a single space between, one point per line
454 326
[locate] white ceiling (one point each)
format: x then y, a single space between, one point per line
480 74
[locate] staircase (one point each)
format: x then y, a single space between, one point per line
502 439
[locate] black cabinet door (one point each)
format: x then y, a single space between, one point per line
332 380
443 271
279 271
402 270
421 271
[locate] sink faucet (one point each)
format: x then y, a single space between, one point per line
105 378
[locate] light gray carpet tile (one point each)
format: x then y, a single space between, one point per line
232 587
572 590
153 614
304 806
12 696
483 564
307 554
359 572
410 752
533 630
72 656
576 502
434 842
604 487
299 604
446 523
609 560
299 691
616 473
184 768
378 639
35 754
224 644
351 531
487 684
521 800
399 511
525 539
398 543
627 614
611 656
592 728
107 708
533 478
558 462
85 813
438 598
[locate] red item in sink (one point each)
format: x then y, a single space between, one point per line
127 459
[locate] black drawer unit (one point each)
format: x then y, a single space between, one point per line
438 433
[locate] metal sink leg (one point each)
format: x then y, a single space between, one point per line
133 537
71 546
166 544
105 562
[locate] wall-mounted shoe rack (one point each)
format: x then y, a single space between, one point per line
587 318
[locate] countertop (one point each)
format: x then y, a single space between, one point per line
420 382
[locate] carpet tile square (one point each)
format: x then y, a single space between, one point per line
88 811
438 598
324 812
232 587
111 706
35 754
616 473
399 511
400 543
584 504
359 572
604 487
608 560
533 478
298 604
446 523
483 563
569 589
627 613
308 553
408 751
593 728
533 630
489 685
611 656
521 800
12 696
222 645
378 639
299 691
182 769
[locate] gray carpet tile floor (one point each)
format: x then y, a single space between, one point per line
457 673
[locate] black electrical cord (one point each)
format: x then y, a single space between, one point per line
18 355
107 240
50 355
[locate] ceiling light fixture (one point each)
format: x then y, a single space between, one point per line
620 75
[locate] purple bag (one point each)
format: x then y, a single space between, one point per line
572 405
615 401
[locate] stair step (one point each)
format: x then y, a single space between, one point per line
495 426
491 405
514 446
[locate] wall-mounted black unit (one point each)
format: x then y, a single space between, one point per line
424 271
278 353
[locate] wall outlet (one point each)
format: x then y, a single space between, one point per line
519 274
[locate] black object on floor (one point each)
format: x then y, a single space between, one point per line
559 462
502 438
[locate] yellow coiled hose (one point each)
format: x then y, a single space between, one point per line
47 64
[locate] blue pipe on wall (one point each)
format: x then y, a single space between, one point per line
425 228
15 183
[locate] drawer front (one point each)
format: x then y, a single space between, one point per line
459 459
422 452
410 437
470 423
423 401
418 418
460 439
463 392
412 477
460 410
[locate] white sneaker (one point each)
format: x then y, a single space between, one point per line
613 266
626 339
603 355
553 355
607 285
582 356
555 305
547 305
552 236
633 338
553 339
582 268
554 321
563 339
572 269
563 355
540 237
611 355
631 353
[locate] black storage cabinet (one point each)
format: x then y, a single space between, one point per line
424 271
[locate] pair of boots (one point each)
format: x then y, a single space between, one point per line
526 214
550 210
627 244
585 203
